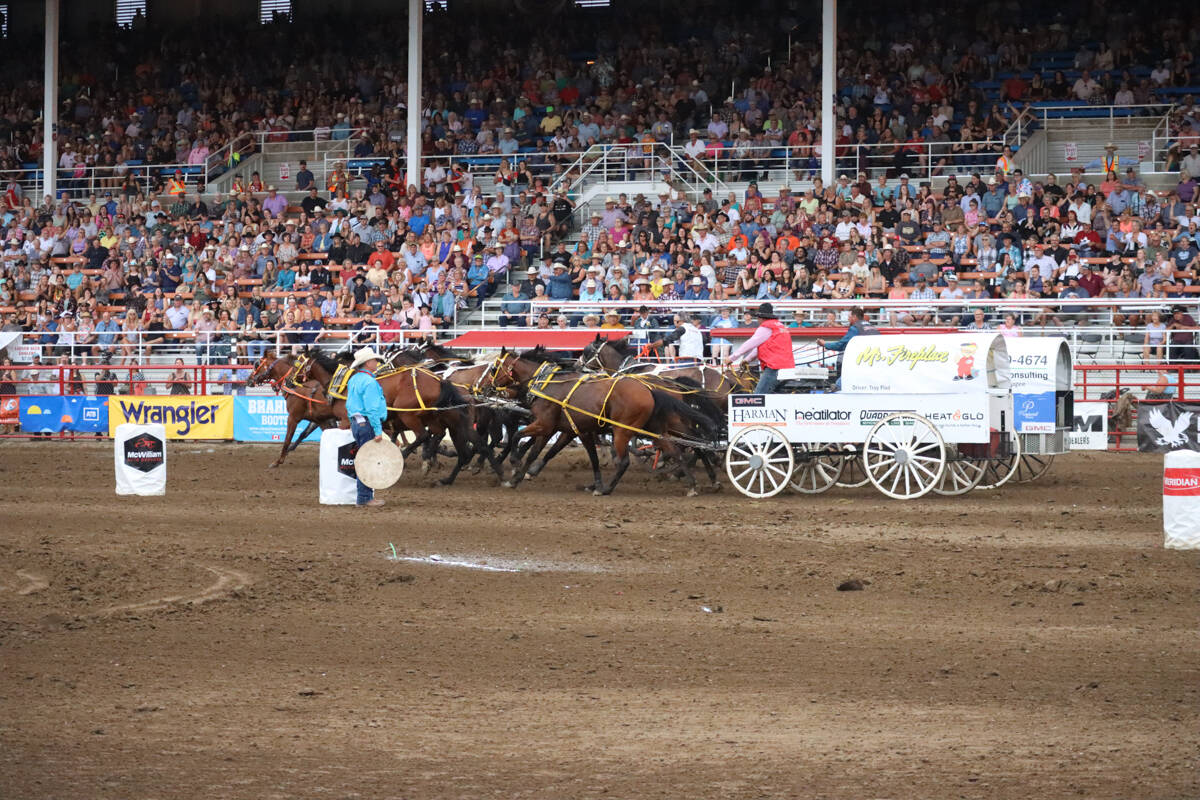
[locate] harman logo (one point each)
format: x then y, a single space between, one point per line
345 459
822 415
758 416
144 452
749 400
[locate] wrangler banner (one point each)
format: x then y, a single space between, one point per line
199 417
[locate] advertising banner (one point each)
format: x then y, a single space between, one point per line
337 483
1163 427
264 419
10 410
1090 431
1181 500
921 364
56 413
184 417
849 418
41 414
1035 413
140 459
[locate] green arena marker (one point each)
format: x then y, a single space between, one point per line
393 549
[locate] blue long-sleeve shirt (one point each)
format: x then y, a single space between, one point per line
363 396
841 343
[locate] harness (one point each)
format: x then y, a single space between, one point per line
288 383
339 381
544 377
413 371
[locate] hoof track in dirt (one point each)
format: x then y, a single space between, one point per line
228 581
28 583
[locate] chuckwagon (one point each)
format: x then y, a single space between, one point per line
1041 375
917 413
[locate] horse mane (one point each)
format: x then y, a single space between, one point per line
435 350
540 355
328 364
621 346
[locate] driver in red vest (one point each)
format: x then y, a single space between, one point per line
773 343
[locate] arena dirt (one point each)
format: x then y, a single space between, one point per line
235 639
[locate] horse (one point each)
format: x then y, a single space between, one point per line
306 401
618 357
576 404
418 401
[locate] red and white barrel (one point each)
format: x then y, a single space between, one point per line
1181 499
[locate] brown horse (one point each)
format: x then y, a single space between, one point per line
418 401
574 404
306 402
617 357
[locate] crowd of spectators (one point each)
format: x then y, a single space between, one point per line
625 74
232 270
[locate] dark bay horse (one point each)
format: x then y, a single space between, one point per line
615 356
575 404
306 401
418 401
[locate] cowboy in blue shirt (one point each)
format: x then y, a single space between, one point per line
366 408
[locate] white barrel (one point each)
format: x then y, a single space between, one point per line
1181 499
338 484
140 455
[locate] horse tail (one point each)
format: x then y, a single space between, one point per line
449 397
666 404
710 404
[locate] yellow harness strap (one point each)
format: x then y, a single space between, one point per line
412 371
540 381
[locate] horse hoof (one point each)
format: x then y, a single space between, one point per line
692 492
716 487
425 468
508 484
597 493
273 466
444 481
475 470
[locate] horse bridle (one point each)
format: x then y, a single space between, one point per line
598 366
493 372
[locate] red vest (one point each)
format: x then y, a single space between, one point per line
776 351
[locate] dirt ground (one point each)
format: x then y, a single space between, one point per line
235 639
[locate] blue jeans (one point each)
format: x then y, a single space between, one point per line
362 434
767 380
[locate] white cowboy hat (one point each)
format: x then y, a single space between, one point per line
363 356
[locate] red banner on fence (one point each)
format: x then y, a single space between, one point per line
10 410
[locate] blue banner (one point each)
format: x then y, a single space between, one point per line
1035 412
264 419
42 414
56 413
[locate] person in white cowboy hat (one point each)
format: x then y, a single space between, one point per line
366 409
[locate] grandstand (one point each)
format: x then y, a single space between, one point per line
270 185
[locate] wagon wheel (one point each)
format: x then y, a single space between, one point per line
818 468
759 462
853 474
1032 467
960 476
904 456
998 471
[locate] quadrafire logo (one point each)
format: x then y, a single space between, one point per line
144 452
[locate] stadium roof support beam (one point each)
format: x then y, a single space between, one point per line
413 136
50 101
829 127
